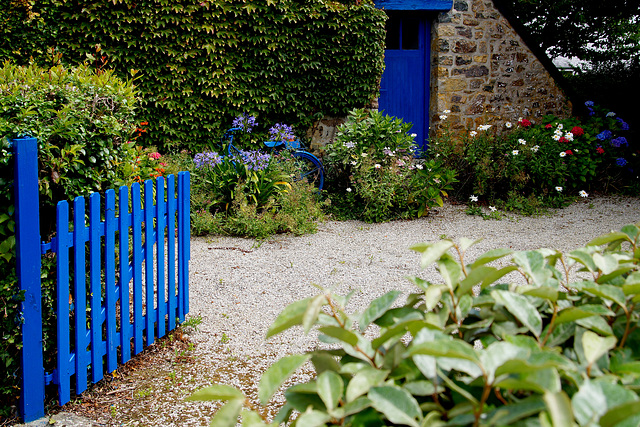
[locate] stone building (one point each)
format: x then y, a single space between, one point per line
469 57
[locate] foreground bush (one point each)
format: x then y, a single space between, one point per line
559 347
527 165
372 172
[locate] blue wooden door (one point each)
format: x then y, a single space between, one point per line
404 89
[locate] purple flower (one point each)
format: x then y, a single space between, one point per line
207 158
254 160
281 132
589 103
244 122
623 125
621 162
619 142
605 134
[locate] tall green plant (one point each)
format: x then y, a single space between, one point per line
540 338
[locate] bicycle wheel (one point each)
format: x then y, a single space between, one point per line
309 167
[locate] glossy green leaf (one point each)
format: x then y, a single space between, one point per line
474 277
217 392
227 416
450 271
491 255
277 374
362 382
521 308
340 333
313 310
532 263
571 314
292 315
497 354
585 258
432 251
559 407
506 415
377 308
610 292
313 418
453 348
396 404
330 388
252 419
608 238
466 243
595 346
620 413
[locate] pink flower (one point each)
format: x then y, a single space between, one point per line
548 126
525 123
563 139
600 150
569 153
155 156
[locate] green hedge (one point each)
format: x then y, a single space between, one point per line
199 64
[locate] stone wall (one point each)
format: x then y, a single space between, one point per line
483 72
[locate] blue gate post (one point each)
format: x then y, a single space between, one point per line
28 266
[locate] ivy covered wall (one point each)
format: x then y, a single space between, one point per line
199 63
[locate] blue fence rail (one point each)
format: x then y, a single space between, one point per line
122 277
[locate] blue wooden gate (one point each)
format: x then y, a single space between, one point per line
137 251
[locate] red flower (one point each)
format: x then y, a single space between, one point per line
600 150
548 126
569 153
563 139
524 123
577 131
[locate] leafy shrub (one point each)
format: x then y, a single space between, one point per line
541 164
288 60
561 347
371 168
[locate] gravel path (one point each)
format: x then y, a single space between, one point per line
239 287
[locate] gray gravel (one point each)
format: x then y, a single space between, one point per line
238 287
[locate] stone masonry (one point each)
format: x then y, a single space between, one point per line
483 72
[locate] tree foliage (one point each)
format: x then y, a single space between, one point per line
591 30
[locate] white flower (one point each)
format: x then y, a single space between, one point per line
413 135
419 166
508 125
556 137
349 190
560 126
364 154
492 208
377 166
473 133
559 189
583 193
557 132
522 141
519 119
354 163
473 198
535 148
484 127
443 117
611 114
569 136
446 112
562 154
515 152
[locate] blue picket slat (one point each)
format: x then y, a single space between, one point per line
137 218
160 259
28 266
110 297
95 283
124 223
79 293
171 249
64 243
149 215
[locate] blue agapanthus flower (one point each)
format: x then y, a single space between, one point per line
255 160
623 125
589 103
244 122
619 142
207 158
605 134
621 161
281 132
